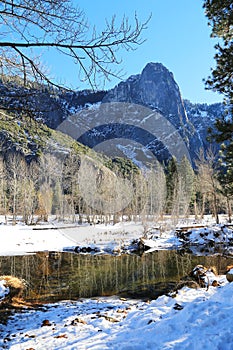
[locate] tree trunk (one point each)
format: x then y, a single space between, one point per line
203 205
229 211
215 208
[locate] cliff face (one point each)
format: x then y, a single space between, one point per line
155 88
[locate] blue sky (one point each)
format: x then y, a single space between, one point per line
177 36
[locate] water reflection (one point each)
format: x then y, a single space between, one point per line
60 276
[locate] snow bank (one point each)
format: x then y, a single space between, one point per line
3 290
193 319
208 240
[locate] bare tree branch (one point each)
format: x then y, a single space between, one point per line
59 25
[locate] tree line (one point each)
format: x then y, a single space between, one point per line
78 188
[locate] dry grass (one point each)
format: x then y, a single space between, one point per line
15 285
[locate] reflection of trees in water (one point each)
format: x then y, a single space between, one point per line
183 265
54 276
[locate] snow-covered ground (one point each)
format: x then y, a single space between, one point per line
20 239
192 319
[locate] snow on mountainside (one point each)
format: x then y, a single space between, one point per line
46 105
203 117
154 89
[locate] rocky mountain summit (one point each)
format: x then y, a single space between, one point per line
154 88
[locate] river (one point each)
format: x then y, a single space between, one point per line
60 276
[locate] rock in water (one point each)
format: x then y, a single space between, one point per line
229 274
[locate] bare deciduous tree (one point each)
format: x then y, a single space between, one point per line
207 180
185 186
3 189
16 171
156 189
29 26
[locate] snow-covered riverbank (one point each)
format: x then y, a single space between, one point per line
20 239
192 319
124 237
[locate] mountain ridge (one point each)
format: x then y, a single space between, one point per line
154 88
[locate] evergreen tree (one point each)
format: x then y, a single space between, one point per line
172 178
220 15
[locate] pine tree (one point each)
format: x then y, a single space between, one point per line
220 15
172 178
